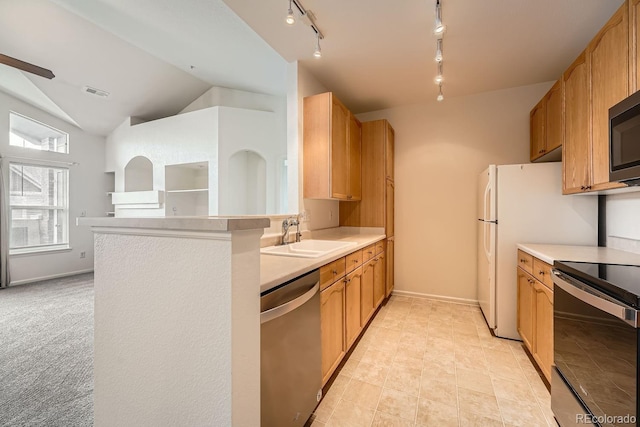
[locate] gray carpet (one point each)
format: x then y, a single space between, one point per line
46 353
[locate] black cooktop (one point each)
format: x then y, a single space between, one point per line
619 281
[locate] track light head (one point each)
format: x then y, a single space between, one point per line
290 19
439 27
440 96
318 52
438 56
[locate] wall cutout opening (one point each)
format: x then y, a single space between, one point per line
247 183
138 174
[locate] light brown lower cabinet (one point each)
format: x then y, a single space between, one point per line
543 336
353 325
390 269
535 314
347 302
332 328
366 294
379 278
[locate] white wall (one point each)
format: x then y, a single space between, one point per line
87 192
623 225
440 149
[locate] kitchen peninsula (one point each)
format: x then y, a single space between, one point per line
176 313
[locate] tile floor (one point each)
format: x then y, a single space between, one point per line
432 363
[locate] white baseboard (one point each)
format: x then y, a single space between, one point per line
455 300
53 276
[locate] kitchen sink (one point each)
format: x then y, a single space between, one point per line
307 248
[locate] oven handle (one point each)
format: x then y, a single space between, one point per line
595 299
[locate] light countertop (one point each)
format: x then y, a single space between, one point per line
551 253
180 223
275 270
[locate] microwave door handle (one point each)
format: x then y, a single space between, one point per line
596 299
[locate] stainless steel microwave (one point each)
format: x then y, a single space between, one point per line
624 141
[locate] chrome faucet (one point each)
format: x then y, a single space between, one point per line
286 224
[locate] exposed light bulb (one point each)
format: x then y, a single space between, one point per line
439 50
317 53
290 19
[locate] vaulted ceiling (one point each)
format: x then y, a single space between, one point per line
156 56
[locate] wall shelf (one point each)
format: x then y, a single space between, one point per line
187 188
193 190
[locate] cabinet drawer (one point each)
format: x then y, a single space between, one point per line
380 247
368 252
542 272
525 261
331 272
353 261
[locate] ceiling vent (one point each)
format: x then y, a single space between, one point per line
94 91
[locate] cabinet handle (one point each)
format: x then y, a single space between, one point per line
349 197
355 261
369 252
522 260
335 272
541 273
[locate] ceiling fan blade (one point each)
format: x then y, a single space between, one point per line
25 66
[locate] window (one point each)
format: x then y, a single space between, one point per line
27 133
39 203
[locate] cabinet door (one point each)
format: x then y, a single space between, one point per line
553 130
366 293
390 267
525 308
332 328
355 159
537 129
634 27
576 150
543 331
389 200
608 57
390 150
339 150
379 278
353 324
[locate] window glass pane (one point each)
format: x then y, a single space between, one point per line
39 205
37 227
28 133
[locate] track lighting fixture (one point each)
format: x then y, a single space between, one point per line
439 50
440 95
307 17
439 27
317 53
290 19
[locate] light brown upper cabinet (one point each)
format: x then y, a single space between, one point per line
546 124
634 46
608 58
331 157
576 150
599 78
537 129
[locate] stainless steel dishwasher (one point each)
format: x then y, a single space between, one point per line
290 365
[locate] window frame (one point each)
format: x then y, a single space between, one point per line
30 149
46 248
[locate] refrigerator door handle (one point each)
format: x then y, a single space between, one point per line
487 191
484 240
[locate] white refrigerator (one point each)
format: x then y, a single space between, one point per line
523 204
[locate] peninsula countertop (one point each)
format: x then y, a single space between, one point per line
551 253
275 270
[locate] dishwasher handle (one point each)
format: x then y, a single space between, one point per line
596 299
288 307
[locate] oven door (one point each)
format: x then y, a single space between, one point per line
596 353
